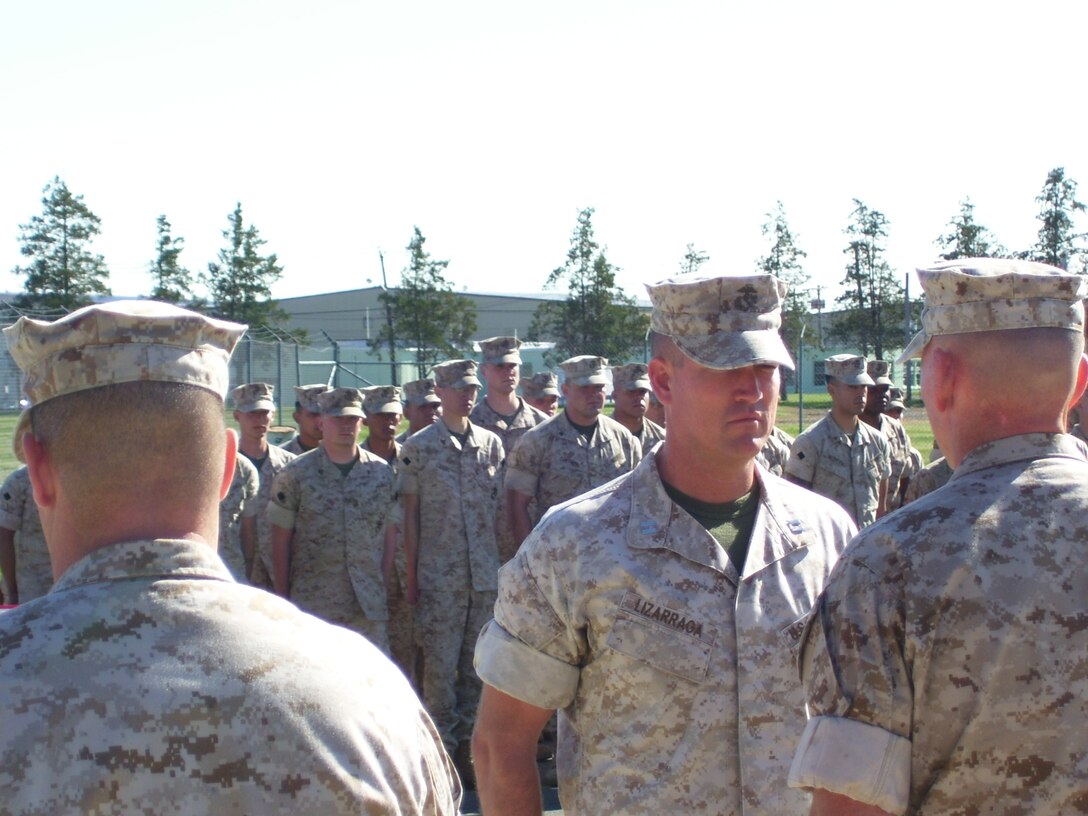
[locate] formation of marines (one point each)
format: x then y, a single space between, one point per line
518 557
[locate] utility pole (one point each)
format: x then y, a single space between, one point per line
389 325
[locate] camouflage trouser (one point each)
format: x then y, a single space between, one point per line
447 625
402 630
377 632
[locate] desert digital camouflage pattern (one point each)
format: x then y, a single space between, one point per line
649 435
947 666
19 513
553 462
676 678
120 342
339 525
509 430
899 458
775 452
250 397
499 350
271 712
935 474
458 560
846 470
276 460
240 501
543 383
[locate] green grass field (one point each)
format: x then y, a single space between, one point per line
814 408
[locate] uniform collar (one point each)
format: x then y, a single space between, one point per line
656 522
448 438
158 558
1020 448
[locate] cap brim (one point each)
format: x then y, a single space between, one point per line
859 379
914 348
388 408
636 385
464 382
348 411
593 379
260 405
728 350
513 357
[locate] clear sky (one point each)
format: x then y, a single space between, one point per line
341 124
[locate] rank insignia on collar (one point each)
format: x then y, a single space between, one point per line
796 527
647 528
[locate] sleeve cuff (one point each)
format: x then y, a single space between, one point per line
854 759
520 481
280 516
504 662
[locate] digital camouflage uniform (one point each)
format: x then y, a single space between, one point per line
205 696
553 462
19 513
339 525
262 562
676 678
649 435
899 458
775 452
294 445
848 470
509 431
240 501
935 474
305 398
946 667
458 490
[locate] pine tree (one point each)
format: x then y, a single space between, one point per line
967 238
173 282
1059 242
63 273
241 282
784 262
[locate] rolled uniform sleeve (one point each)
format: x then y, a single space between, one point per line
523 466
284 502
858 688
528 651
408 471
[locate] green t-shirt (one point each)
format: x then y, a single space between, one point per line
730 523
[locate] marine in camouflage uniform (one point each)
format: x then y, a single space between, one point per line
877 400
557 460
775 452
307 417
674 668
148 681
945 666
839 456
253 408
24 557
382 406
449 483
934 475
630 398
238 520
505 414
422 407
331 526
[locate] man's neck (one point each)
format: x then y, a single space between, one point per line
848 423
385 448
254 448
502 404
871 419
456 424
700 475
309 442
341 454
583 421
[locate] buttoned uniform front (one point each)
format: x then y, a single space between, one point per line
240 502
457 563
649 435
675 676
899 458
19 513
509 430
947 665
846 469
553 462
150 682
339 525
276 460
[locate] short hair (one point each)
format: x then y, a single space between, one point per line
134 442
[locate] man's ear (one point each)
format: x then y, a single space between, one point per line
660 373
944 369
40 468
228 462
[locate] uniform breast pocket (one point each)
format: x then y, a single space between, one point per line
790 636
673 653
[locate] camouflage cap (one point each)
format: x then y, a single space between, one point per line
253 397
420 392
585 369
382 399
119 342
341 402
631 377
498 350
895 399
306 396
991 294
726 322
848 368
455 374
878 372
543 383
